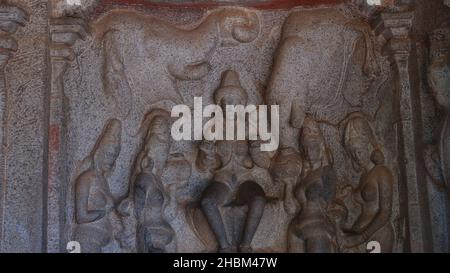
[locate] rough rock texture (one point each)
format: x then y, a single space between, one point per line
25 133
87 153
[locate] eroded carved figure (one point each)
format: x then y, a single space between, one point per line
374 193
234 201
438 159
97 220
147 198
311 230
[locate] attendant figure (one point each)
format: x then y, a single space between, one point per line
375 190
311 230
439 79
97 222
153 233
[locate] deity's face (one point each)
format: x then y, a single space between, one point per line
106 156
359 151
314 149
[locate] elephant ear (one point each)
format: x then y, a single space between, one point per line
115 84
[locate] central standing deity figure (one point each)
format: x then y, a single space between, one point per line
234 202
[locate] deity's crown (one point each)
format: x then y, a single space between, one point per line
230 87
112 132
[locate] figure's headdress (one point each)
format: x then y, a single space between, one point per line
357 127
230 87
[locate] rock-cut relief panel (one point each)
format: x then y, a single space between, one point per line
229 196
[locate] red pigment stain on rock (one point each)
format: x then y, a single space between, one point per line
269 4
53 138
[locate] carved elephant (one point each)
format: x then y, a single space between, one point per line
322 66
148 55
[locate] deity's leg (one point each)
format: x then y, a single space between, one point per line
253 196
214 196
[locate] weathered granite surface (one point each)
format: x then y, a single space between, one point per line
87 89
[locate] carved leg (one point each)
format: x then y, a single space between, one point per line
214 196
253 195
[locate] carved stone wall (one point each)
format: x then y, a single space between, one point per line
87 88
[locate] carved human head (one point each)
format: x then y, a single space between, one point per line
359 140
313 142
159 129
158 141
108 147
